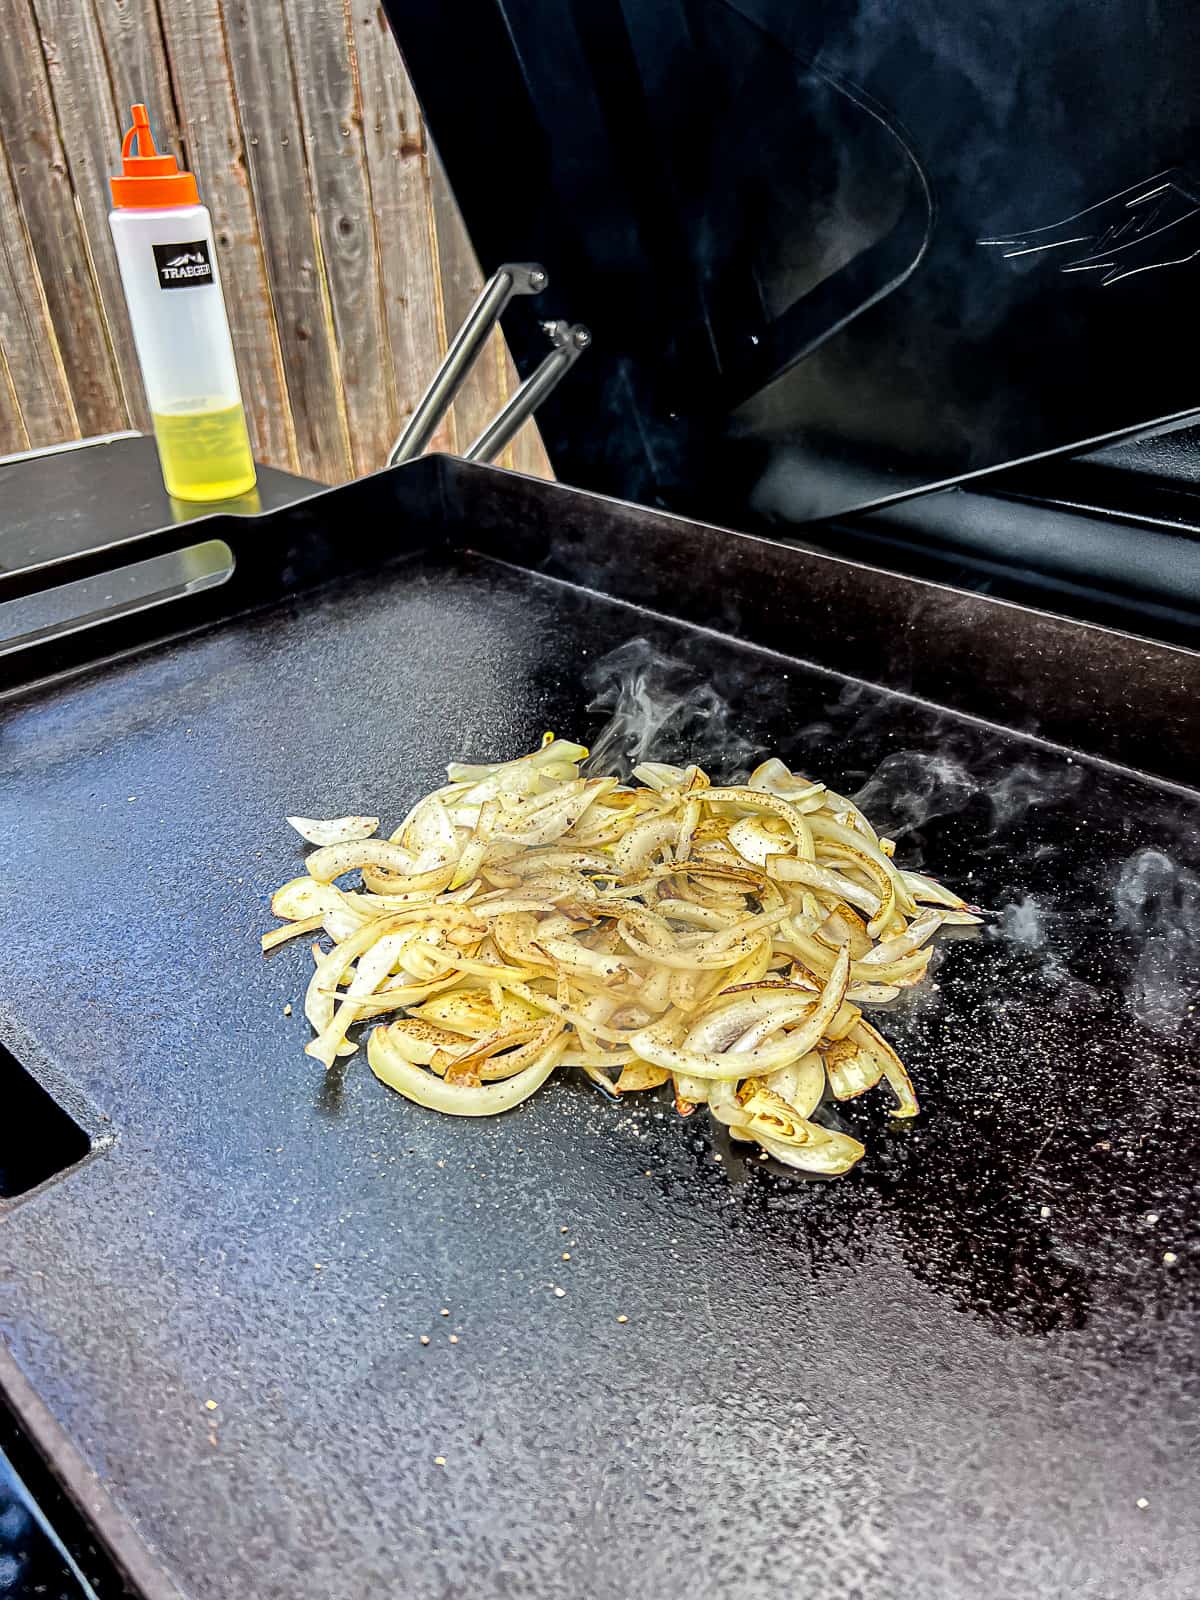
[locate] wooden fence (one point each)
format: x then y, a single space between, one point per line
343 254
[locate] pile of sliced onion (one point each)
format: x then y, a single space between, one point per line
728 941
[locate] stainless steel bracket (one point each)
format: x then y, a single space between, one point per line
568 341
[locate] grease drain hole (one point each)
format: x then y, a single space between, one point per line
37 1137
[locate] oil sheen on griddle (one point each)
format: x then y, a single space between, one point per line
204 450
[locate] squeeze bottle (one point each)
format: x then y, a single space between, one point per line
163 237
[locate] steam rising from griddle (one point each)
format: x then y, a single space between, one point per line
1158 906
658 707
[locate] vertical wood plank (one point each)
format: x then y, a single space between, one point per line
528 451
42 184
344 257
90 130
271 130
13 436
35 374
319 35
485 389
134 48
496 376
201 76
405 242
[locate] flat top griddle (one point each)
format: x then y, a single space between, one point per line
957 1371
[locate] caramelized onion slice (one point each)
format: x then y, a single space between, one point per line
720 939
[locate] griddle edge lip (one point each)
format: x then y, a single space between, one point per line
124 1548
1106 693
1084 687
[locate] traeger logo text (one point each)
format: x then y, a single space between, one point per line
182 266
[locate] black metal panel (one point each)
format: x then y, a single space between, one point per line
38 1139
59 1515
1127 699
1076 559
302 543
1155 480
1124 698
61 502
960 1370
776 220
32 1562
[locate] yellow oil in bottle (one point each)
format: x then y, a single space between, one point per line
204 451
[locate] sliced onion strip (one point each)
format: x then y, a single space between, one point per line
664 932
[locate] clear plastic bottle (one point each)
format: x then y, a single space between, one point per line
163 237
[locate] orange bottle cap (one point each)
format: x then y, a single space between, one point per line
148 178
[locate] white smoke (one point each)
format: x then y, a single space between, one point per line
912 787
1158 903
1024 922
660 709
909 788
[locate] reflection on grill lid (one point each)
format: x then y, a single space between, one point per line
832 253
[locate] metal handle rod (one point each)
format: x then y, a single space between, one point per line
569 344
515 277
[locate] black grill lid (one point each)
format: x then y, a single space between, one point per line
836 252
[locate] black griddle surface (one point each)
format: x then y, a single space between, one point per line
955 1372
